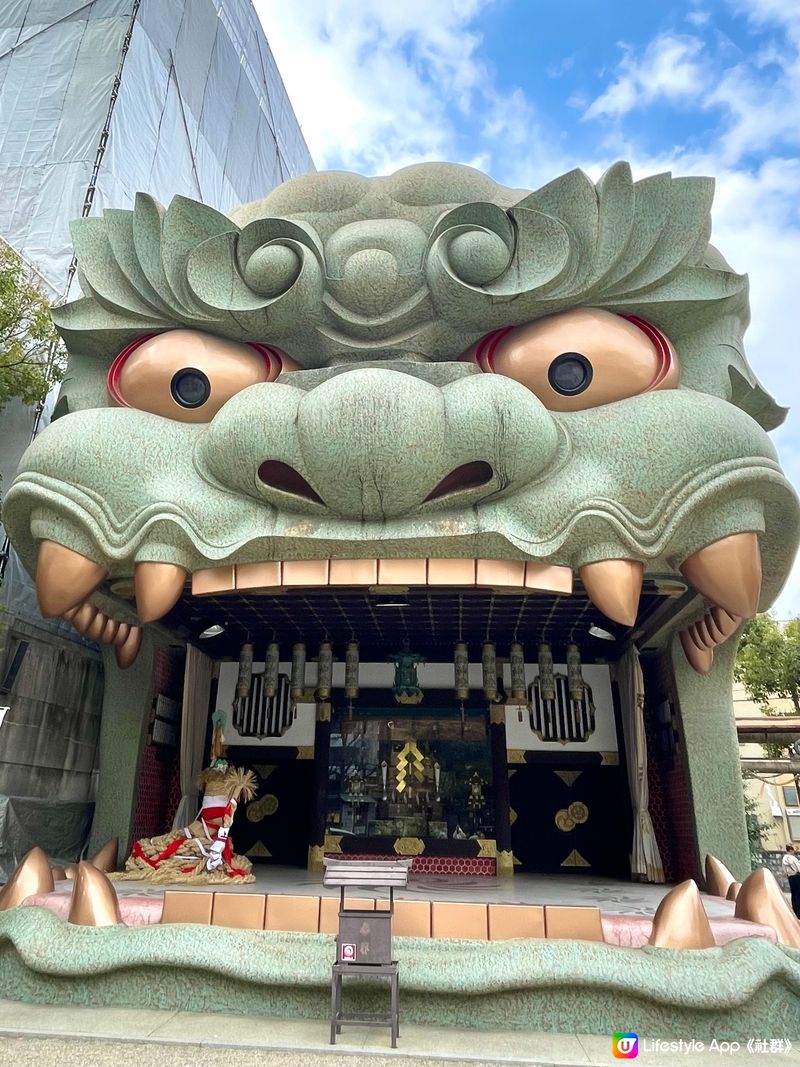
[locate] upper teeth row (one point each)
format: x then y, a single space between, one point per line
727 572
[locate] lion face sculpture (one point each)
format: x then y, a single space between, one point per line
427 365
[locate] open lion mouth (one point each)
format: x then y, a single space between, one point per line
727 572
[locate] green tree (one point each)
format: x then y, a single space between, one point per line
755 828
31 358
768 662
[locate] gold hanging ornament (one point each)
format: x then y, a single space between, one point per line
410 761
245 671
574 676
547 679
298 670
324 671
271 666
516 659
351 670
461 671
489 663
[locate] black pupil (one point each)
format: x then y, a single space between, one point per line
190 388
570 373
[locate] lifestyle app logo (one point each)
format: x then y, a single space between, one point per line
625 1046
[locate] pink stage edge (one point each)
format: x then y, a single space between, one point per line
626 931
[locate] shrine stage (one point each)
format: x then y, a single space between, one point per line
626 908
611 896
527 981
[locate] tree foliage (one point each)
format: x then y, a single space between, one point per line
768 662
31 358
755 828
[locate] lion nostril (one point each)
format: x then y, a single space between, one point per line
286 479
467 476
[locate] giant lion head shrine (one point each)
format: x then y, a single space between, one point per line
452 499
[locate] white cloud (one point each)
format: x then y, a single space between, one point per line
376 86
669 69
754 157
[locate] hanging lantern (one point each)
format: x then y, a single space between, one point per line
547 681
324 671
271 665
516 659
351 670
489 661
574 676
245 671
298 670
461 671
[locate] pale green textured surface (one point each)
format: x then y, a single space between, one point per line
376 287
341 270
562 986
712 756
127 696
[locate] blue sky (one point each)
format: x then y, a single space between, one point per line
527 89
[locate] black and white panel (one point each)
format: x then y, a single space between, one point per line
561 720
262 716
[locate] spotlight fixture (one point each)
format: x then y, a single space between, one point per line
212 631
391 602
604 635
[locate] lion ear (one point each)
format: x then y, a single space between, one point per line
753 398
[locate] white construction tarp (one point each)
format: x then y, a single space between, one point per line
201 110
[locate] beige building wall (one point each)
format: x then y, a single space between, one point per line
776 795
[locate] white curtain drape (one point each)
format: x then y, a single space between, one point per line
194 720
646 862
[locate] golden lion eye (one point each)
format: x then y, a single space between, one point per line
581 359
188 375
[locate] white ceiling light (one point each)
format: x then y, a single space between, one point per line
212 631
604 635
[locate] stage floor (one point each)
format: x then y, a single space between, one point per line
614 897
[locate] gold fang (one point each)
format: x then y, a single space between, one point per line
681 921
94 901
614 586
32 876
158 587
718 878
761 900
728 572
64 578
105 859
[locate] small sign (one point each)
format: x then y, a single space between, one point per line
348 953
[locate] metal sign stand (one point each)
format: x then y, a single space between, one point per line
364 941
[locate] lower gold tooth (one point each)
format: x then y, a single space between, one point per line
127 652
725 622
760 900
94 900
95 628
681 921
701 659
84 617
33 875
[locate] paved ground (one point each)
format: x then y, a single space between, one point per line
34 1036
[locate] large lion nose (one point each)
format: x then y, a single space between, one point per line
377 443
